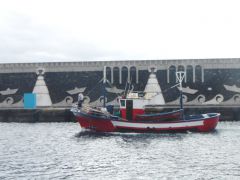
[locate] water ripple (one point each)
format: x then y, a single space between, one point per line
64 151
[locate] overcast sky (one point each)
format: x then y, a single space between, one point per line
75 30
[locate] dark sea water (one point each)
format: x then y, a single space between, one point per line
65 151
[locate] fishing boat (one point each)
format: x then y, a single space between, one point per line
133 117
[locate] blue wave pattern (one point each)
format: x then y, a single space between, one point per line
64 151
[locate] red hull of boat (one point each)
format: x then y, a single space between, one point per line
100 125
107 125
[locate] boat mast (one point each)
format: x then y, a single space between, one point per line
180 76
104 85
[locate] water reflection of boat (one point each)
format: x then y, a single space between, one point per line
133 118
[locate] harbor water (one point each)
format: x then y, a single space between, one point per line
65 151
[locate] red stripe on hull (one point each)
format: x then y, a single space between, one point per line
208 125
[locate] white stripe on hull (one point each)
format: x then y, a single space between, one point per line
161 125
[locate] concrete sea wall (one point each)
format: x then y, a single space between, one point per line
208 82
65 115
36 115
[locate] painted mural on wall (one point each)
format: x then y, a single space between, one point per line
60 89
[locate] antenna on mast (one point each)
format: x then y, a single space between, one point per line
180 76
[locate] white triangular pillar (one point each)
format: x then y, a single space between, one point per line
153 89
42 94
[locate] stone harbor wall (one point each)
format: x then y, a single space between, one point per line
65 115
208 81
36 115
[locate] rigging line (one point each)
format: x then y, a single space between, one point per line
170 87
109 83
93 87
129 81
130 84
166 89
125 91
112 86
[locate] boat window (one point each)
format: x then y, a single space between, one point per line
122 103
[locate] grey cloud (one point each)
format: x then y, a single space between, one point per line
23 39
